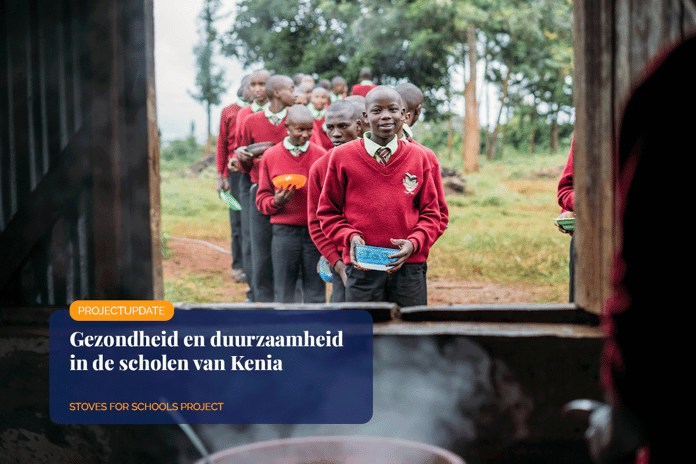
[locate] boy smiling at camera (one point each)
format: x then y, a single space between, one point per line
379 191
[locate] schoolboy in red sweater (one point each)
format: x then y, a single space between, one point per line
379 191
319 100
339 88
412 99
343 124
257 89
228 179
359 102
365 84
265 126
292 249
566 200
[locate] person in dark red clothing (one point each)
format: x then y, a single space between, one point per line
343 124
257 90
319 101
292 249
229 179
365 84
566 199
412 98
379 191
566 194
339 88
648 352
264 126
359 102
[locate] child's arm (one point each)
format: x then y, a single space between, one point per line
325 246
566 194
244 139
222 155
406 249
437 178
330 211
266 194
356 240
427 229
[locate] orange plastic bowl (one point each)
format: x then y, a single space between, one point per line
289 180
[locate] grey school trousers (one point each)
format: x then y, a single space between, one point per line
236 223
405 287
338 290
245 219
261 234
295 255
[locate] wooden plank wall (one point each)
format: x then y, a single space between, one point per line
615 40
42 217
79 173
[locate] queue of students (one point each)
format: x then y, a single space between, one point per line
368 182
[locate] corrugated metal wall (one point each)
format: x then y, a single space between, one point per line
78 175
42 109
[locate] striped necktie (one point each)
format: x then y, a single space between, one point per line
275 120
382 154
296 151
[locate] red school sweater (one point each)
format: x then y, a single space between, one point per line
241 116
278 161
437 178
257 128
319 136
399 200
315 183
566 194
225 141
359 89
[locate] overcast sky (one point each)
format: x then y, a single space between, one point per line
176 33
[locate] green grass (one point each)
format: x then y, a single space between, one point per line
191 207
502 233
195 288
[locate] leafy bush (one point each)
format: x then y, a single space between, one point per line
182 150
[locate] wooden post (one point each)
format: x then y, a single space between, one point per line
614 43
153 156
593 173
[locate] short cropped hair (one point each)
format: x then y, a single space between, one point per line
275 82
345 105
411 94
338 80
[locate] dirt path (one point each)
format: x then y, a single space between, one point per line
190 257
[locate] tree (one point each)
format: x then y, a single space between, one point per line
526 45
210 82
531 47
470 18
398 40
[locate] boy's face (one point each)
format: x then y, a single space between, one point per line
247 95
300 97
341 128
286 93
385 115
300 132
257 87
319 100
340 89
413 115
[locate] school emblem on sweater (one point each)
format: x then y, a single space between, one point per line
410 182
